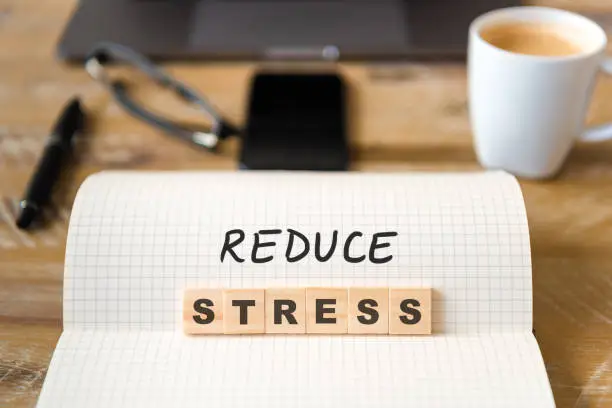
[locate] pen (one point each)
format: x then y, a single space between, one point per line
56 154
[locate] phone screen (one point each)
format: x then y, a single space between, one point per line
296 122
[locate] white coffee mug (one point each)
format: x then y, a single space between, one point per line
527 111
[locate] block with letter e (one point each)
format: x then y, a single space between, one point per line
326 310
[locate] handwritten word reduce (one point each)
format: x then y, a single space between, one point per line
265 238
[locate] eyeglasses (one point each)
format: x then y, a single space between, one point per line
107 52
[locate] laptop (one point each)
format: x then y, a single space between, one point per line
277 29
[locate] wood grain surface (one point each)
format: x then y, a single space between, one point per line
406 116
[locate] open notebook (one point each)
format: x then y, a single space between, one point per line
136 240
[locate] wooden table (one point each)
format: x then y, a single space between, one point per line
403 117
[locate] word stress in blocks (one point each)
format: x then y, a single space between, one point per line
314 311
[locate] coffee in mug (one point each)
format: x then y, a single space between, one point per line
532 38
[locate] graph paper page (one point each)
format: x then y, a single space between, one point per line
137 240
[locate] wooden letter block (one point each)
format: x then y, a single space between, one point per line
368 311
410 311
326 310
286 310
203 311
243 311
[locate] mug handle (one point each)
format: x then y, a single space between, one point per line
601 132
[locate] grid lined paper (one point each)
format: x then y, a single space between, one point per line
136 240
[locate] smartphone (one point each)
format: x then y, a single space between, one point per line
295 122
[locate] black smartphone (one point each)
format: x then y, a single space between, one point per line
295 122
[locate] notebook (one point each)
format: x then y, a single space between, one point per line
137 240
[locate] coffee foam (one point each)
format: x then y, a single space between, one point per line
535 38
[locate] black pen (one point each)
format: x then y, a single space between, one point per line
56 154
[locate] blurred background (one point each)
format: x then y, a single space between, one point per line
404 112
